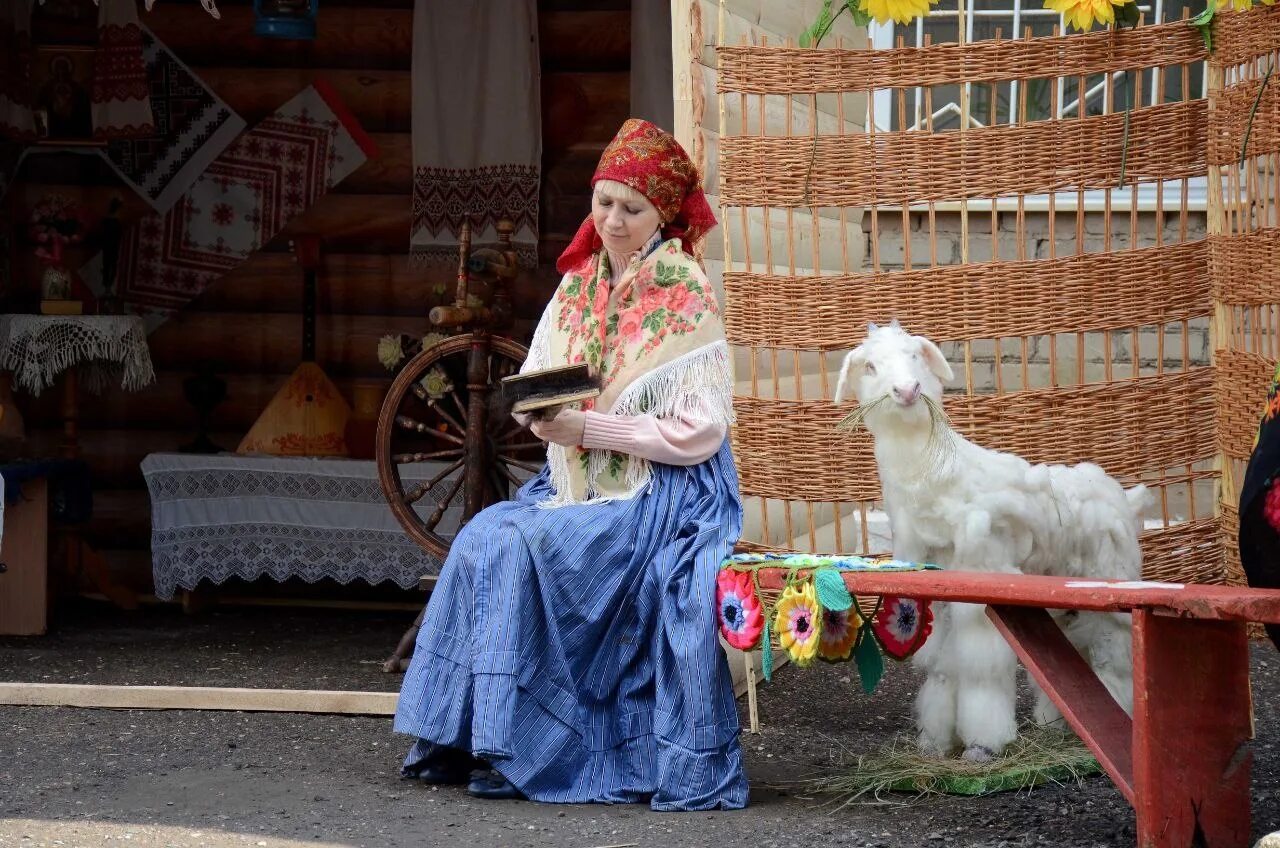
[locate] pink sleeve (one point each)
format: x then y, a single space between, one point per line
671 441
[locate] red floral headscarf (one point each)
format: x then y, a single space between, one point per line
652 162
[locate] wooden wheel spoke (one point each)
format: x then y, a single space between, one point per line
500 488
506 429
444 504
506 472
506 460
405 458
518 446
501 366
415 494
404 422
462 407
419 428
439 409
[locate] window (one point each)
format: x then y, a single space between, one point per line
1015 102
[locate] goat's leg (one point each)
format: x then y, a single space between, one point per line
1111 654
986 671
936 715
935 705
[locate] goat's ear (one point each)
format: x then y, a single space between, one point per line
853 359
934 359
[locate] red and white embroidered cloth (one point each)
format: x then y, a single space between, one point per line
121 98
477 126
266 177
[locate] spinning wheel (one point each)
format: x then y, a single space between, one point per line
434 412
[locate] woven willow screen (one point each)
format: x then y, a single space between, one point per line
1080 329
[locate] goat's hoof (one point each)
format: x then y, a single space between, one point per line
931 748
979 754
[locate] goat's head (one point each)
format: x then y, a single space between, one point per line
894 370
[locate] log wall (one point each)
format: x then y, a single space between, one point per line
247 327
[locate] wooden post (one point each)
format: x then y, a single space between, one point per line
1192 753
1219 323
477 439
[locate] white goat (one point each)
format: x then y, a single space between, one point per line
958 505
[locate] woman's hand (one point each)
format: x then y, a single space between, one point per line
565 429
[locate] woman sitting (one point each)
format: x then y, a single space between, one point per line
569 651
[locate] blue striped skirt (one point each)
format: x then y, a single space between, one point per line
576 648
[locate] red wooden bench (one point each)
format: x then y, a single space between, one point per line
1183 761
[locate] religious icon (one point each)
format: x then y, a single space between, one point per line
63 79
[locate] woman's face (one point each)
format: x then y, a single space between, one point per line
624 225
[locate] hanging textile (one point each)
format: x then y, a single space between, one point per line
271 174
121 100
16 119
477 131
192 126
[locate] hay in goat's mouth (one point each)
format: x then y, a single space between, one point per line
941 446
1039 755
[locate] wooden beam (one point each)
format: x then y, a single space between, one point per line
1227 603
381 99
252 343
377 37
1068 680
198 698
346 345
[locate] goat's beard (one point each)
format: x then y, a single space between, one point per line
940 446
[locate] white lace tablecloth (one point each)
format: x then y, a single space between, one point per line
107 350
219 516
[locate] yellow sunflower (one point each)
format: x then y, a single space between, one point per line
902 11
799 623
1083 14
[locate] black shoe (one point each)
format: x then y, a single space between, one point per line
491 785
444 774
438 764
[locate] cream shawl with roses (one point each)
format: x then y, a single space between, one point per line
659 351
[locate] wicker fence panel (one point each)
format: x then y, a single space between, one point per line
1127 428
1240 374
1091 344
1246 109
783 70
1187 553
1245 268
1164 142
1240 38
980 300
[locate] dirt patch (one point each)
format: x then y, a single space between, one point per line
188 778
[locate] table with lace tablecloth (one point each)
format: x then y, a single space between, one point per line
218 516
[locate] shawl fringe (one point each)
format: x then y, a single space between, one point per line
695 386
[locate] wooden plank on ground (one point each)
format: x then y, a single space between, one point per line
197 698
